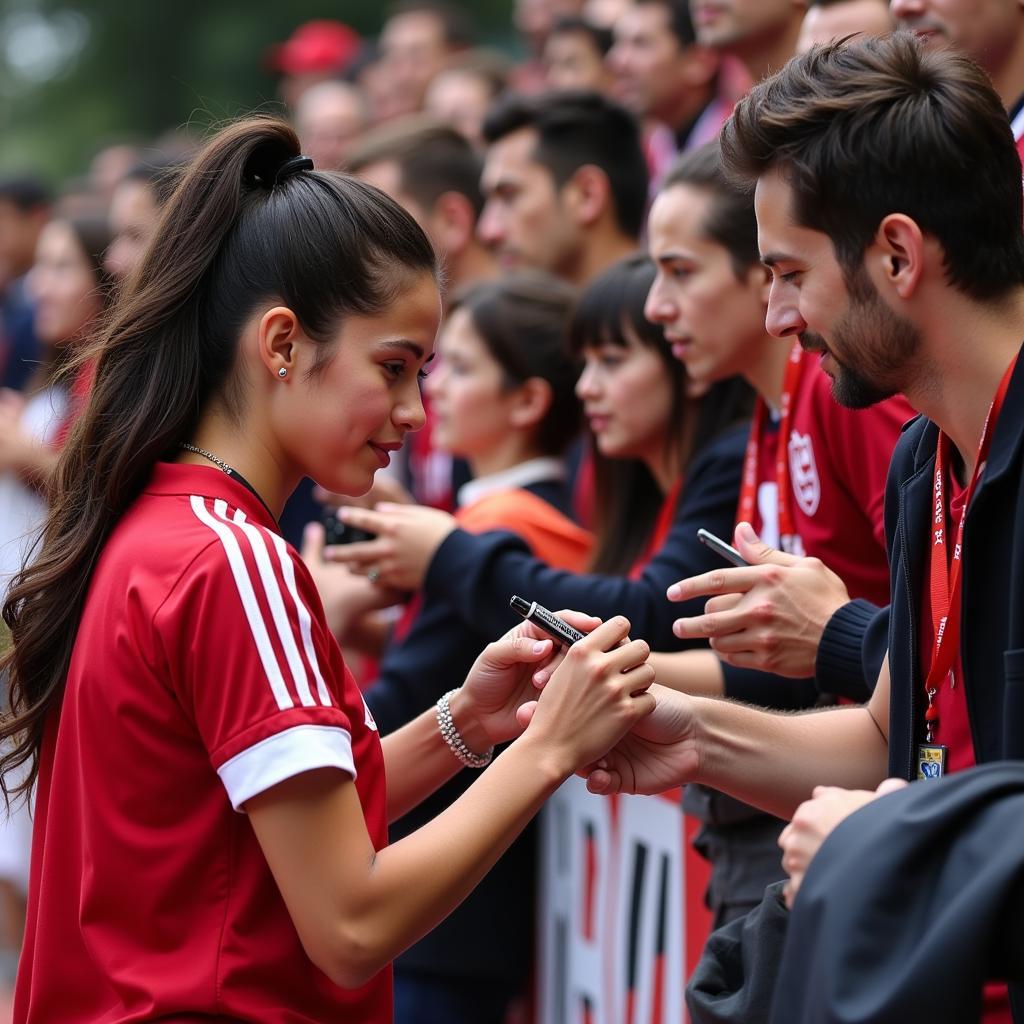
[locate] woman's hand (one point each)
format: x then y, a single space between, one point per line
813 824
507 676
596 694
407 536
346 597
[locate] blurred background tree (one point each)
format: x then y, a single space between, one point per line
76 75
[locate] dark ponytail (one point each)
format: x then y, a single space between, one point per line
235 233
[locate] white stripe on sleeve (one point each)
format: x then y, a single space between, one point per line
305 619
302 748
272 590
258 627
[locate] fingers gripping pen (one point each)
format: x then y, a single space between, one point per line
555 627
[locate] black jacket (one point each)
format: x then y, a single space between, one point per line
910 905
992 617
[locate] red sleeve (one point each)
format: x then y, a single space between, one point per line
251 658
860 447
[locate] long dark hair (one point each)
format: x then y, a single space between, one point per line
236 232
627 498
522 320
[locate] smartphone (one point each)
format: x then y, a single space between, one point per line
337 532
727 551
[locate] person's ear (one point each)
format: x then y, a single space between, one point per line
898 253
277 335
452 223
588 194
532 403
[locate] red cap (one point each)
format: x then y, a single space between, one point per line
315 46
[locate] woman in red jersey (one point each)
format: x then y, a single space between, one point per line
172 666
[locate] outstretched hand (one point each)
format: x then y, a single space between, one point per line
658 753
769 615
346 596
407 536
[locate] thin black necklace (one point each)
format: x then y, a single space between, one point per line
233 473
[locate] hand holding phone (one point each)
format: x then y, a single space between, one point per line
719 546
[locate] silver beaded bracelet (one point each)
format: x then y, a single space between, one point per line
456 743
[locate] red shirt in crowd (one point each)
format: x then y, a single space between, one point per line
838 463
203 673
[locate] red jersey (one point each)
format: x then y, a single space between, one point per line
203 673
838 463
954 728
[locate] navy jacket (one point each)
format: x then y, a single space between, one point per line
992 616
478 573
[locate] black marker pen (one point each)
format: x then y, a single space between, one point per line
555 627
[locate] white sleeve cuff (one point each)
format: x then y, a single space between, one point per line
302 748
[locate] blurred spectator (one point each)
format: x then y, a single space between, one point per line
565 183
534 20
826 20
664 76
417 42
315 51
760 33
462 94
70 288
574 55
108 167
605 12
329 118
134 212
24 208
433 172
991 34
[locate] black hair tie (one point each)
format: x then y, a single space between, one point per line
292 166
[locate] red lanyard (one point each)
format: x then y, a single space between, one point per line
946 583
752 460
662 526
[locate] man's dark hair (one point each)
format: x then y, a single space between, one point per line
457 24
576 128
871 127
573 25
730 219
25 191
432 159
679 19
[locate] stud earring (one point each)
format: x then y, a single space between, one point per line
283 372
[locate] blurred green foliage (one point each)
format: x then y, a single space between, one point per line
151 66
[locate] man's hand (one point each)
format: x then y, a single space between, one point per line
813 824
406 538
659 752
768 616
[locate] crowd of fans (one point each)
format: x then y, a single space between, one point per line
617 367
